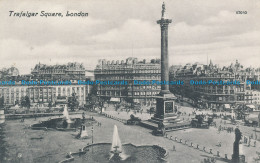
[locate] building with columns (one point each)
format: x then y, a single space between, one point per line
44 94
40 94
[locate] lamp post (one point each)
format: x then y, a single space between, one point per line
92 130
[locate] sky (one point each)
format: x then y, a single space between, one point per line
118 29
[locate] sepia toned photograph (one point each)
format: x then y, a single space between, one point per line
130 81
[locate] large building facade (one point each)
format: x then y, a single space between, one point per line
44 94
75 71
212 95
129 71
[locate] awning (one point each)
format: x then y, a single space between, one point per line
252 117
115 99
227 106
14 107
251 106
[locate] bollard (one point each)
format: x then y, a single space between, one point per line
170 137
191 144
197 146
185 142
210 151
226 156
180 140
166 135
204 149
175 139
218 154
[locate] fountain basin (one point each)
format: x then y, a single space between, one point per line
61 124
101 153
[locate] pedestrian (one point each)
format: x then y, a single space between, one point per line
173 148
22 120
219 144
219 129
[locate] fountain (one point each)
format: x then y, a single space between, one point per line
116 152
66 114
66 123
116 148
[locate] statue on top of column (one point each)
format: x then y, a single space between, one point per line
163 9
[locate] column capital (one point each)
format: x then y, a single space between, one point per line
164 21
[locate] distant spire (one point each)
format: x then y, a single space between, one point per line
207 60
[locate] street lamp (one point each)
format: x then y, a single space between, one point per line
92 130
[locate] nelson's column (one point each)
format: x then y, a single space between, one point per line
165 118
165 102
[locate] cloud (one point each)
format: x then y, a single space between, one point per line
133 32
117 30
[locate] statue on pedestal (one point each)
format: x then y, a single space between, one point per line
235 156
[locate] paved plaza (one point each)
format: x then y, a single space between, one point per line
208 138
27 145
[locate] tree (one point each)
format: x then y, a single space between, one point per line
129 100
92 101
94 90
50 105
25 102
22 101
16 102
2 102
73 102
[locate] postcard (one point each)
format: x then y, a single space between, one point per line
133 81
